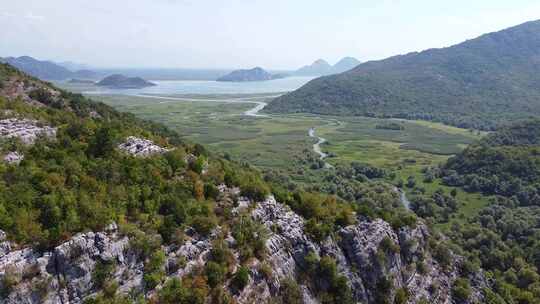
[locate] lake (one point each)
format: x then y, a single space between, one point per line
172 87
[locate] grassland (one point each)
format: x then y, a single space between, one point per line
281 142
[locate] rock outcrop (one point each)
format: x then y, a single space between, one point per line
13 157
25 129
140 147
366 254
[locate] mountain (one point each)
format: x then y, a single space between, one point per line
46 70
117 81
317 68
322 67
481 83
255 74
98 206
345 64
73 66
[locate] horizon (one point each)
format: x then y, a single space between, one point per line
280 35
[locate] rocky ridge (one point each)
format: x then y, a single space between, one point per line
65 274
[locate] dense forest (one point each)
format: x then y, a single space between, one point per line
504 238
482 83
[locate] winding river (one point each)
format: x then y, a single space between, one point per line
317 147
403 198
253 112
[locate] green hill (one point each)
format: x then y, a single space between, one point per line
505 163
480 83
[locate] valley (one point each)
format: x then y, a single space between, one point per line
234 125
184 153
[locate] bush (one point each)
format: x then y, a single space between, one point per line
102 273
42 95
240 278
290 292
9 281
461 291
215 273
402 296
203 224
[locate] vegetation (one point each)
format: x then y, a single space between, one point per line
330 285
502 238
481 84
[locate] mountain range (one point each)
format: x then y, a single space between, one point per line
480 83
46 70
321 67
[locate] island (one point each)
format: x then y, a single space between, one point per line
255 74
118 81
81 81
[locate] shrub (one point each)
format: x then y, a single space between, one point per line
461 290
9 281
290 292
240 278
402 296
203 224
102 273
215 273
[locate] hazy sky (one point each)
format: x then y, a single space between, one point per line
276 34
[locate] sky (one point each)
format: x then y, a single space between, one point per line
275 34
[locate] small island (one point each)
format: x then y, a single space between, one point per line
81 81
118 81
255 74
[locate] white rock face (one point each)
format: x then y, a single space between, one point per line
25 129
141 147
13 158
65 273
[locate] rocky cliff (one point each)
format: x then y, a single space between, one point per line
369 255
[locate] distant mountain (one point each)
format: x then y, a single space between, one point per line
345 64
81 81
46 70
41 69
255 74
73 66
321 67
118 81
317 68
481 83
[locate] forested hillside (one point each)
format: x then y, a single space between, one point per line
504 237
481 83
97 206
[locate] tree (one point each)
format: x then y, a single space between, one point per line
103 142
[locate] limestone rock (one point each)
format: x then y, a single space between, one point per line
141 147
365 253
24 129
13 158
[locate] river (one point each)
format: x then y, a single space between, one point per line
254 112
317 147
